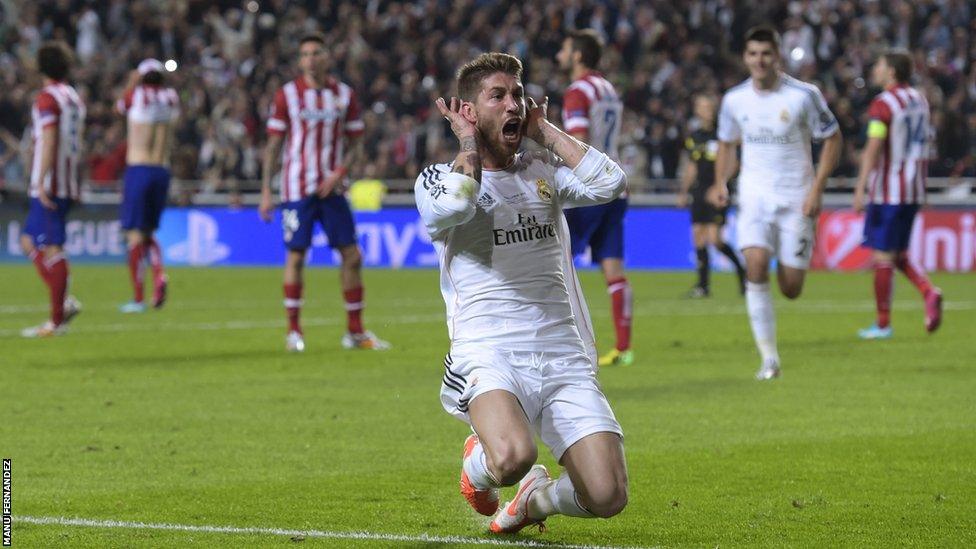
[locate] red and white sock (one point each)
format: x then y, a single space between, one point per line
293 306
57 266
354 309
136 271
883 275
916 276
621 302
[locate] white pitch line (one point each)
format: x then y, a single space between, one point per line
211 304
646 311
657 307
81 328
363 536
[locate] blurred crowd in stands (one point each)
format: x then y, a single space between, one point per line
400 55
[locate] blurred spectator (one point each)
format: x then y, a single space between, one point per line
399 55
106 158
12 175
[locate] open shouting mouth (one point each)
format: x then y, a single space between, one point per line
512 130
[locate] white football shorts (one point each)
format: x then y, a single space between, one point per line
558 391
778 226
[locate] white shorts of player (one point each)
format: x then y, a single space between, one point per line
558 391
778 226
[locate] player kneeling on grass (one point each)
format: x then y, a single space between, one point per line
521 360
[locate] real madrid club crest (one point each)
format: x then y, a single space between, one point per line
785 115
545 191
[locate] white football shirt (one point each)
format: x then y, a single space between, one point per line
507 275
775 128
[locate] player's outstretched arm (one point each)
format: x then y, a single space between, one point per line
689 172
718 195
869 159
49 147
829 156
272 153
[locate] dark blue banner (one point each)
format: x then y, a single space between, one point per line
656 238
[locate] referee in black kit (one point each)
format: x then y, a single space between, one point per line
696 178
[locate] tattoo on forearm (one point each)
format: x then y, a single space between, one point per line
468 160
552 141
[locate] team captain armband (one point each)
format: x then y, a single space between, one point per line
877 128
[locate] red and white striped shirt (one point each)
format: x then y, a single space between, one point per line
148 104
58 104
316 123
899 176
592 104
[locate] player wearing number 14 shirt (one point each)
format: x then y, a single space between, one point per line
893 169
774 117
315 128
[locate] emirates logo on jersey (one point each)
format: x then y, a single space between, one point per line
527 229
766 136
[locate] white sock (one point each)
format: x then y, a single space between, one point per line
762 318
476 467
557 497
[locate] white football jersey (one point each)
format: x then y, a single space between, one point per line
775 128
507 275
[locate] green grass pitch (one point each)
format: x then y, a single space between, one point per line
194 415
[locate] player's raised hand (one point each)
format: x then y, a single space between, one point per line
266 207
133 79
535 115
460 125
718 196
